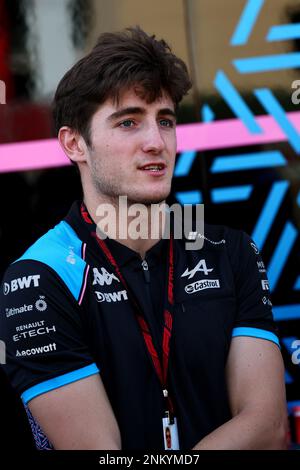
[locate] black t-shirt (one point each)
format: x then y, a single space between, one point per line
66 315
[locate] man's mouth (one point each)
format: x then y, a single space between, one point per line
158 168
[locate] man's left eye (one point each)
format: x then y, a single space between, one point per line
166 123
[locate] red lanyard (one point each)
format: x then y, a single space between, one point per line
161 367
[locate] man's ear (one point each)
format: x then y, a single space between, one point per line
73 144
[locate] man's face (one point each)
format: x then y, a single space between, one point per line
133 148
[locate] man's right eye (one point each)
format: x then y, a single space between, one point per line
127 123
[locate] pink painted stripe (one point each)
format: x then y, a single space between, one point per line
47 153
83 251
84 286
231 133
32 155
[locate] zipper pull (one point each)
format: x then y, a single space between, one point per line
146 270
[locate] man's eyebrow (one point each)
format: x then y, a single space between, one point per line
124 111
137 110
167 111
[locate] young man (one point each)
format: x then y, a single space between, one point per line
109 342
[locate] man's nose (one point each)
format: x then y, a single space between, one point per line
153 139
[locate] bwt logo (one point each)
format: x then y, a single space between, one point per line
21 283
2 92
2 352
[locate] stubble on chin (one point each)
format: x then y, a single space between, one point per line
146 201
111 191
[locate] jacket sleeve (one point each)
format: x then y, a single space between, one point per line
42 329
254 315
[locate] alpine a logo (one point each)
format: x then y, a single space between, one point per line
21 283
200 267
104 277
111 296
201 285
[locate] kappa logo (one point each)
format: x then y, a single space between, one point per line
200 267
21 283
111 296
104 277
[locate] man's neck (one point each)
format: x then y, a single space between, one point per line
138 228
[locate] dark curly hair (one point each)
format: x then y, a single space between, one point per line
117 62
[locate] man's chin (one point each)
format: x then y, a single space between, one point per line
149 199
